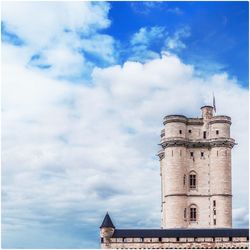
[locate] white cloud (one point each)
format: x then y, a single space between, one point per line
146 35
60 34
175 42
39 28
141 43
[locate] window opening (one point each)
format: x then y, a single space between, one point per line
180 131
204 134
192 154
193 214
217 132
189 131
202 154
192 181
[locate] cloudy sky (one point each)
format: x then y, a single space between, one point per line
85 86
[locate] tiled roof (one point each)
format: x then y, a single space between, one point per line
107 222
172 233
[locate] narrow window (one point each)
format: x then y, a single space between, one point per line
217 132
193 214
101 240
204 134
192 181
189 131
202 154
184 180
177 239
214 212
185 213
160 239
230 238
191 154
180 131
142 239
214 203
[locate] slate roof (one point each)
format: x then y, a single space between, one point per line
107 222
172 233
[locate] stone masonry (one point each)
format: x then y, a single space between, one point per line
200 147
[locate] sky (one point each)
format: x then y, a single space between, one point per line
85 87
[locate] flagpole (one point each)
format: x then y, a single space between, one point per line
214 105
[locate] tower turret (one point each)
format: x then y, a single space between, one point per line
107 229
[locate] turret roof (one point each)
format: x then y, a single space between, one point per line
107 222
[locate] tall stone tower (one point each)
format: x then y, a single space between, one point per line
195 163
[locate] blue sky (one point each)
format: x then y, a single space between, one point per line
218 31
84 94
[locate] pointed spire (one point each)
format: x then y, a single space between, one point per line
107 222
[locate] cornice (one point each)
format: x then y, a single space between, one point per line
198 195
206 143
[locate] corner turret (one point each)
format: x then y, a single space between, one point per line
107 230
207 112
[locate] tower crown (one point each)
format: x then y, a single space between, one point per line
207 112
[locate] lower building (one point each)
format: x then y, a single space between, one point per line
228 238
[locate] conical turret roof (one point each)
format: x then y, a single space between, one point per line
107 222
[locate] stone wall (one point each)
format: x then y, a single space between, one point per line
177 243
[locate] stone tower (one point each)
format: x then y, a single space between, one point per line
195 163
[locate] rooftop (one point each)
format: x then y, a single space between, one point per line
107 222
172 233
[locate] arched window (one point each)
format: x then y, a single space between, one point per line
192 180
193 213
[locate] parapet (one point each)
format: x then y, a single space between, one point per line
220 119
175 118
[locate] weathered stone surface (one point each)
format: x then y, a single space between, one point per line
210 164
